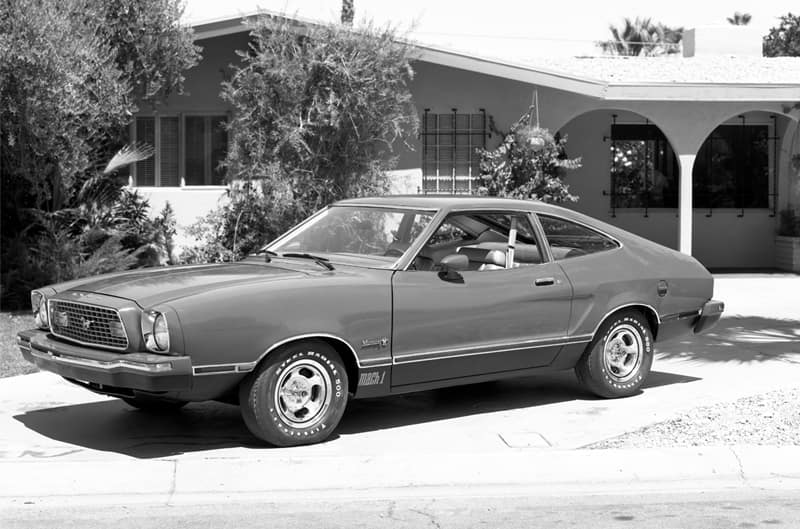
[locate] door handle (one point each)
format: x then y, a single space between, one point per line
544 281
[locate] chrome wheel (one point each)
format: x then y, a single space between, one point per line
622 353
303 393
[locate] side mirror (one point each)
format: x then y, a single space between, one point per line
451 265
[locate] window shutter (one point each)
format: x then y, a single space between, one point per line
146 169
195 150
169 152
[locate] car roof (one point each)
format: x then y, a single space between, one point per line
455 202
450 202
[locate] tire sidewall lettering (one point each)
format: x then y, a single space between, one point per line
337 393
647 349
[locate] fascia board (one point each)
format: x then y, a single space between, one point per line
536 76
702 92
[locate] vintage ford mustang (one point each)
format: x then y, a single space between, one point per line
372 297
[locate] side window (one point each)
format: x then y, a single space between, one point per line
569 239
483 237
449 232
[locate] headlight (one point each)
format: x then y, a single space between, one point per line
39 306
155 331
161 333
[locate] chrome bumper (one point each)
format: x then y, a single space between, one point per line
709 315
143 371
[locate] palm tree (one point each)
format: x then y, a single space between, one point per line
642 37
739 19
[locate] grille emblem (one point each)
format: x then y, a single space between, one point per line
86 323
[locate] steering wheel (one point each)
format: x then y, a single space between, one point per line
393 252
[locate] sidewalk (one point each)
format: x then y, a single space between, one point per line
59 442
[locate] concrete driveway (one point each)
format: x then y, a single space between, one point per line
51 432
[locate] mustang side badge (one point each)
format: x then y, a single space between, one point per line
376 342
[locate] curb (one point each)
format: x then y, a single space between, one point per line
288 478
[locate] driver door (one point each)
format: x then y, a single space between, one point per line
488 319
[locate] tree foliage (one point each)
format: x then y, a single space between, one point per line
784 39
151 49
530 164
71 73
318 111
641 36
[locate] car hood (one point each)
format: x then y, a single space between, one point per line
148 287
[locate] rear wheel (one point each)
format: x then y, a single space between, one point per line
619 357
297 396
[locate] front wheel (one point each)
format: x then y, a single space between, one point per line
619 357
297 396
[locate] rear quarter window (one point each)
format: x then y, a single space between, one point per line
568 239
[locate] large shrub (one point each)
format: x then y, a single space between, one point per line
317 113
71 72
530 164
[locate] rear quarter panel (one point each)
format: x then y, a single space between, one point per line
606 281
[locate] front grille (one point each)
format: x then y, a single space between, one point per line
87 324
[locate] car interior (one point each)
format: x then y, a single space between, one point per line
483 238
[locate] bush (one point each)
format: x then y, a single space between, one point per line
84 242
317 112
529 164
71 71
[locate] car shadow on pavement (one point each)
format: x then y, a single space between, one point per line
741 339
112 426
461 401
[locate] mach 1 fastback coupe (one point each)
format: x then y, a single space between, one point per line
377 296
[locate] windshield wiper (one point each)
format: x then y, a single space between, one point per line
268 254
319 260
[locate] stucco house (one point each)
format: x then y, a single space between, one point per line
692 151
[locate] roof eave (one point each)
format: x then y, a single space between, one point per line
702 92
516 72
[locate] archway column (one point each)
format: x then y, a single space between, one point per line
685 209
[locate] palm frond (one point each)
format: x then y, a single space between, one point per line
132 153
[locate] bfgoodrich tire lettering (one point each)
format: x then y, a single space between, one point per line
297 396
619 357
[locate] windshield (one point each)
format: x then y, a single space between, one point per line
374 233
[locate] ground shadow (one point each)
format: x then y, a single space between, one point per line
739 339
112 426
427 406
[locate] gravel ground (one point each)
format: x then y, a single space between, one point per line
768 419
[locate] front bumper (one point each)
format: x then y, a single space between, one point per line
709 315
141 371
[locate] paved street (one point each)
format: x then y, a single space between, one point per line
60 444
684 510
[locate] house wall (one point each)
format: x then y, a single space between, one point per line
747 240
201 96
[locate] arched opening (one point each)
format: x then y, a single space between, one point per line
736 167
629 175
738 174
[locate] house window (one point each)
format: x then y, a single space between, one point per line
188 150
206 144
644 168
731 169
450 163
